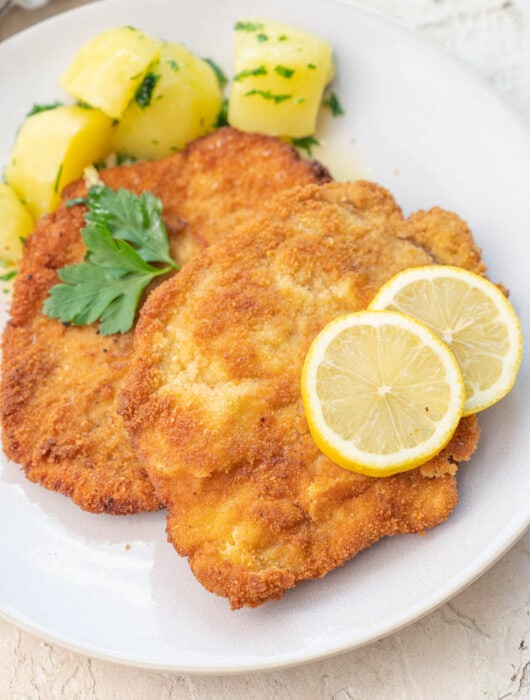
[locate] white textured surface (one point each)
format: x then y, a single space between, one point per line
476 646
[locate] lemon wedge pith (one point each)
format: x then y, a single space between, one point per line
381 393
471 315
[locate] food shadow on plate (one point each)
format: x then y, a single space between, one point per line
100 527
177 594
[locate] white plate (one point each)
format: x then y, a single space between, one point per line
433 133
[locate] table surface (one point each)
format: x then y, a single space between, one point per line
475 646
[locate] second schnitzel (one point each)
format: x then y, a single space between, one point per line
60 382
213 403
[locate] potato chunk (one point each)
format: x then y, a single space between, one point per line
52 148
280 76
179 100
107 70
15 224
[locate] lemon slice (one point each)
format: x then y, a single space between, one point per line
472 316
381 393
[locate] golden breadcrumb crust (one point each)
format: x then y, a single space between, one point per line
60 383
213 401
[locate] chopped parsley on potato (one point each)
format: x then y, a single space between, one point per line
52 148
178 101
107 70
280 76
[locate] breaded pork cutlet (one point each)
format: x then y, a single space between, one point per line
59 382
213 403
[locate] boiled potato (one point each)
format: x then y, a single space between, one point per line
52 148
15 224
107 70
178 101
280 76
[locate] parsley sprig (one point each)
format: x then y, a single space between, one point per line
124 234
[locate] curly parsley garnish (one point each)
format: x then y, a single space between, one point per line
124 234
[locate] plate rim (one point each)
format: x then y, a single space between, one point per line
91 651
489 557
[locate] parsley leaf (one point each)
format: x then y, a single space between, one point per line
124 234
333 104
268 95
306 143
58 179
260 70
222 117
248 26
8 275
219 74
144 91
132 218
284 71
37 108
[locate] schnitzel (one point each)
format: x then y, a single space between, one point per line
60 382
212 398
